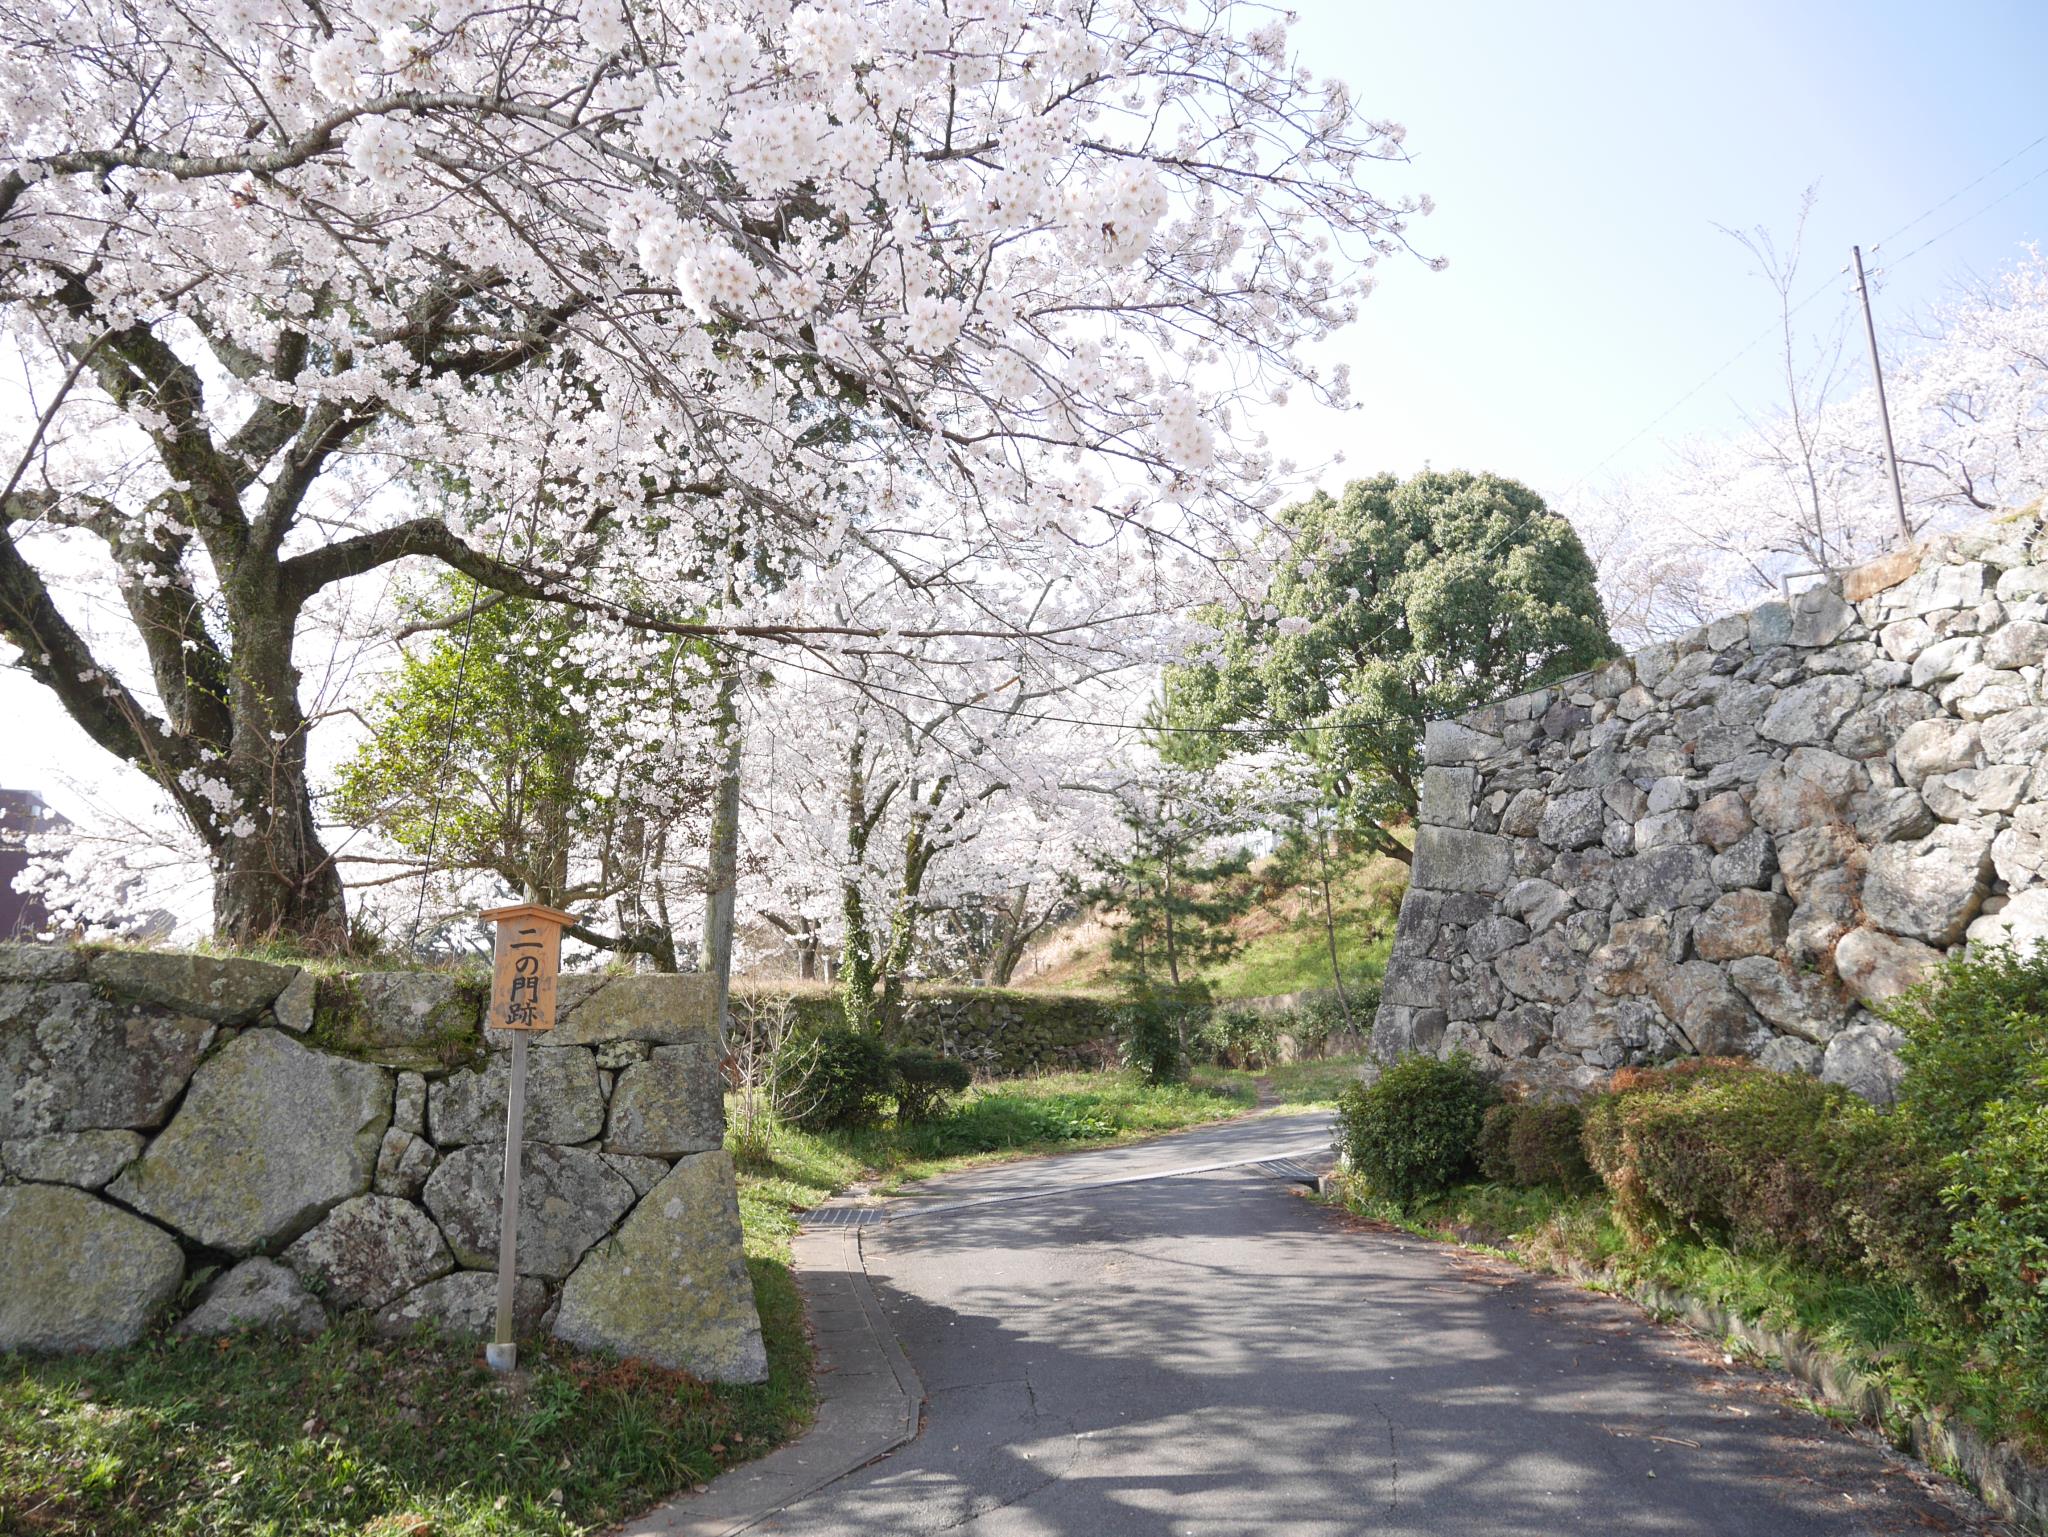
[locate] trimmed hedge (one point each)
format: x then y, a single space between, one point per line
995 1031
1736 1154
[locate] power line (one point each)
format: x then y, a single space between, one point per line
1967 187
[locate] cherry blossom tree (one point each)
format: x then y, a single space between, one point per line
1802 488
685 298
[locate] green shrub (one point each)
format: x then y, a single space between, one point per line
1490 1148
1148 1039
1412 1133
2000 1241
831 1078
1545 1147
1238 1038
1759 1160
1526 1144
1313 1024
926 1083
1976 1033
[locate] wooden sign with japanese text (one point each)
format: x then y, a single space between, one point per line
525 965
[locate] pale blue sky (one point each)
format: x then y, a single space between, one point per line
1581 154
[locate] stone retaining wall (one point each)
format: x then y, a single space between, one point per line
303 1146
1735 843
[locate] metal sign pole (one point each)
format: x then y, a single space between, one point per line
524 967
502 1354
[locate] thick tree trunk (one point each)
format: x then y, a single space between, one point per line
272 875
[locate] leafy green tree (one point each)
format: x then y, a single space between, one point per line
1402 602
1172 888
494 748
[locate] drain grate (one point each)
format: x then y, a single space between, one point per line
843 1216
1291 1170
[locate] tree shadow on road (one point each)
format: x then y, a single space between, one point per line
1209 1355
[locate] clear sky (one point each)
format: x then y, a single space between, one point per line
1581 155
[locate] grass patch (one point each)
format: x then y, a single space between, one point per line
1013 1117
344 1433
1883 1327
1316 1082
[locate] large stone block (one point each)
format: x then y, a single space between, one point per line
568 1199
1446 798
1449 741
672 1287
1677 875
465 1306
87 1159
1875 965
78 1274
1547 969
563 1100
1865 1060
1699 999
1810 712
1749 861
411 1019
671 1010
257 1294
1573 820
1416 982
272 1135
40 963
1722 821
1819 618
1452 859
1812 785
1801 1003
224 989
1929 889
370 1250
1871 729
2019 737
669 1105
71 1060
2023 643
1741 923
1890 814
1935 746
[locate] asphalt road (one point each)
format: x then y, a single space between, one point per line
1211 1354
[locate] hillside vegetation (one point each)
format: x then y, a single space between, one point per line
1282 947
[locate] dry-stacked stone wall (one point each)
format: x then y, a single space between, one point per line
301 1146
1740 841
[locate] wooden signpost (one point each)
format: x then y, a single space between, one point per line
524 966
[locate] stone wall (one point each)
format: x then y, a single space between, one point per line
1737 842
244 1143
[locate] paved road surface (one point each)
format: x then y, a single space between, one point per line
1212 1355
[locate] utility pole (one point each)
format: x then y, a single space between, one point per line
1884 411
